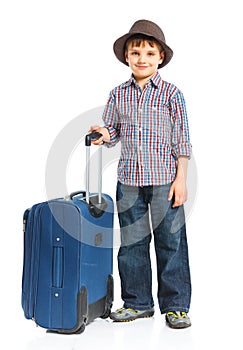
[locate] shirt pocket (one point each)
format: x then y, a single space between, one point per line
158 121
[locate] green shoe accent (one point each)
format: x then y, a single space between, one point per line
126 315
177 319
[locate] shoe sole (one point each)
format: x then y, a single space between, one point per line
149 315
178 326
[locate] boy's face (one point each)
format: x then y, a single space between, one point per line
144 59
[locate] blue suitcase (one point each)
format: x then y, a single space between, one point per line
68 254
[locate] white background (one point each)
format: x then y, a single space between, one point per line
57 63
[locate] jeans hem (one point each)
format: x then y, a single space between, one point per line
140 308
174 308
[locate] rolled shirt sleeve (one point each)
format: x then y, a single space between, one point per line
180 140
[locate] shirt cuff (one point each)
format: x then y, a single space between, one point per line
113 137
182 149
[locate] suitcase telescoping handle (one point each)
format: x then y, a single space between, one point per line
90 137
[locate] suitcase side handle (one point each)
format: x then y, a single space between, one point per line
57 266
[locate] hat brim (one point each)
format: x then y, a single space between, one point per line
119 48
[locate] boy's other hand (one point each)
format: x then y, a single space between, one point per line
178 190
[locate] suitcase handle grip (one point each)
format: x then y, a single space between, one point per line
91 137
73 194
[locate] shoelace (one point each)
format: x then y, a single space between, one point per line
177 314
120 311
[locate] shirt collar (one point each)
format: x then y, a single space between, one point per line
155 80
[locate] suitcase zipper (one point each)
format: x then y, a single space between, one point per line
36 258
31 272
27 227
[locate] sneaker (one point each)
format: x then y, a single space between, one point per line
177 319
126 315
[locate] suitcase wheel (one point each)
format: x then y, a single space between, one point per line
81 329
107 312
109 297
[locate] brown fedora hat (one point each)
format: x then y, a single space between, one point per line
147 28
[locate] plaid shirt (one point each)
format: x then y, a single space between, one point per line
152 127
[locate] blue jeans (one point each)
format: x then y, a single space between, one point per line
142 210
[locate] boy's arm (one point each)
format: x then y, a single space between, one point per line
111 128
181 149
178 188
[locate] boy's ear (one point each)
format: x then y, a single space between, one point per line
162 57
126 56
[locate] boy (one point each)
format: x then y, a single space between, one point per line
148 116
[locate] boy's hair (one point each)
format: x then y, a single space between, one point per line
138 39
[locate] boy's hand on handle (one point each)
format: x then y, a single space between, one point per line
105 135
